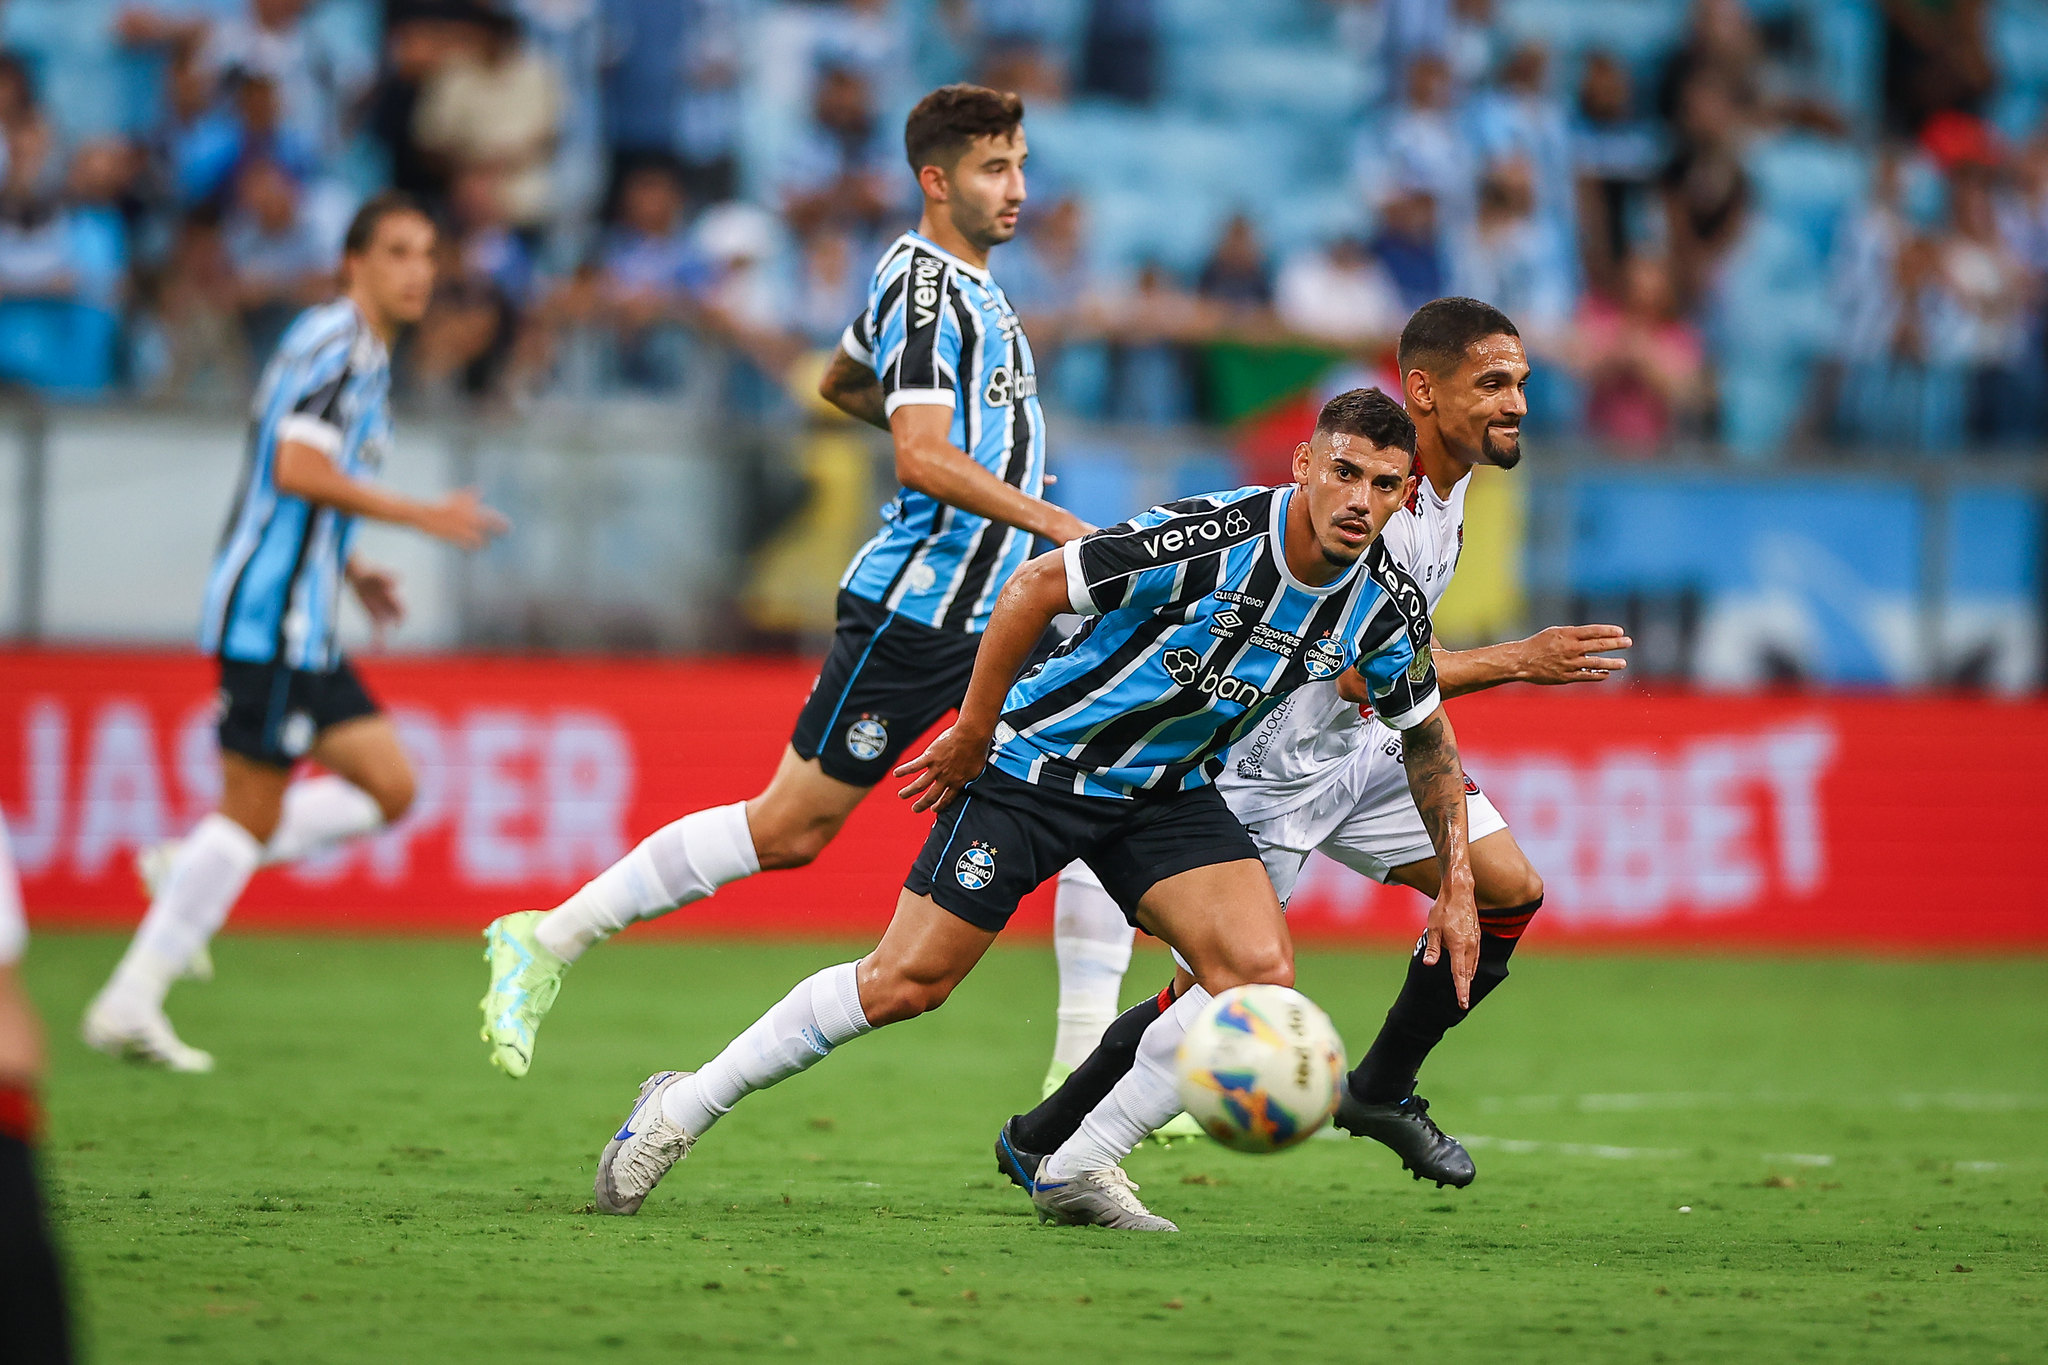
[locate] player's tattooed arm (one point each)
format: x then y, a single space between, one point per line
1436 779
1549 658
850 385
1028 603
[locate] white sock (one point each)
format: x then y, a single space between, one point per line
205 879
1091 940
317 812
820 1014
680 862
1146 1097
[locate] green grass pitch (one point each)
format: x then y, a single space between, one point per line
1860 1144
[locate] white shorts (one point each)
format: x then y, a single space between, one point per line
1363 817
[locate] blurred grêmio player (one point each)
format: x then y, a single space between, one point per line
321 427
938 358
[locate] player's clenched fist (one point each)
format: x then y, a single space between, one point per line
1572 654
952 760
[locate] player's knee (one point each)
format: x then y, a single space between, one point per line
784 848
1269 963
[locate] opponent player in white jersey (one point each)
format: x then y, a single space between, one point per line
320 426
1321 774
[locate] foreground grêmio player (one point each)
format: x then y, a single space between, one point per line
322 424
1203 615
1323 774
939 359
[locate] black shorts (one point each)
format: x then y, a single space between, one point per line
272 714
1002 837
885 682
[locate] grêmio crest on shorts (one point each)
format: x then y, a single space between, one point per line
1196 631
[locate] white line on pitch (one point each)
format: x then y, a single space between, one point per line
1681 1099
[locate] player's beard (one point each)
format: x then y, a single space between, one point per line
1503 453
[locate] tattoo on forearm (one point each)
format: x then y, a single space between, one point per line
1436 779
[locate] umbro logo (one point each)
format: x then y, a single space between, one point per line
1225 622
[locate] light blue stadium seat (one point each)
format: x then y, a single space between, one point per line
1097 483
1809 184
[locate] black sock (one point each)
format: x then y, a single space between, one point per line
1427 1008
1054 1120
31 1291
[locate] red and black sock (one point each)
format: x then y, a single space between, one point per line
1427 1007
1056 1119
34 1327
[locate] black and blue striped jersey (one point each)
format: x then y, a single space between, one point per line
274 594
939 331
1197 629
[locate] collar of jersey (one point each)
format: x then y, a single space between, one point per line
1277 540
928 244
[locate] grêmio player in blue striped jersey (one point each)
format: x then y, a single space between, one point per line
1202 616
938 359
318 435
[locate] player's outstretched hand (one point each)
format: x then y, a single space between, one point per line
949 763
463 520
1454 928
1572 654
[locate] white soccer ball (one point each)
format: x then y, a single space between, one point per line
1260 1067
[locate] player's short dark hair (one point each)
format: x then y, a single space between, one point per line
947 121
1442 330
1371 415
362 229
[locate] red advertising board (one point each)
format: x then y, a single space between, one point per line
1657 818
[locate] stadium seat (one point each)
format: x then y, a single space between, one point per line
61 347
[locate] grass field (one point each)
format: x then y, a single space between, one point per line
1860 1144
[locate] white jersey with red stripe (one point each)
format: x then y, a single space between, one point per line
1306 743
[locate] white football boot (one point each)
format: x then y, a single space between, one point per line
1106 1198
636 1159
139 1035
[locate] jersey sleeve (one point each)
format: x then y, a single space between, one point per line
1166 557
315 418
1394 655
917 337
858 339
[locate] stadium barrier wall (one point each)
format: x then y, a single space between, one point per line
1789 821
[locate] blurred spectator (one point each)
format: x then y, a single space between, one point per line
270 39
207 154
1514 260
1615 155
1722 44
280 264
671 84
831 287
1341 294
496 106
1994 294
1151 369
1408 248
1459 32
417 45
651 277
1522 120
464 343
37 255
1120 50
1045 271
20 115
873 38
193 341
1644 366
1705 188
1025 68
1935 60
843 168
487 246
1425 148
1236 274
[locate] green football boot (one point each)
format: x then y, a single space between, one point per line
525 978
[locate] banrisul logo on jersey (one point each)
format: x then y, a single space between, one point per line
1325 658
976 867
1005 388
924 289
1185 667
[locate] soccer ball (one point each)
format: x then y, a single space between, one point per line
1260 1067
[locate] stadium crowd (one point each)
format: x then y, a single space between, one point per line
1759 224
